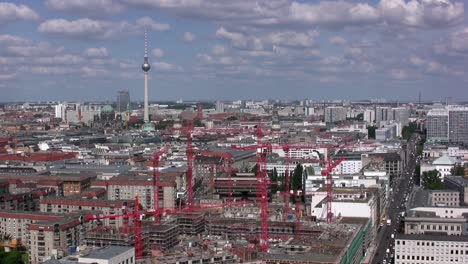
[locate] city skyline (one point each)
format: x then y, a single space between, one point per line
217 50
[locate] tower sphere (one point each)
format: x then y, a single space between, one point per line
146 66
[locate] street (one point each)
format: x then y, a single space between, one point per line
401 189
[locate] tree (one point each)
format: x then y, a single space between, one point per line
371 132
431 180
46 127
417 174
232 118
274 180
458 170
296 181
13 257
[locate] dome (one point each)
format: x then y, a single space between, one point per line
107 109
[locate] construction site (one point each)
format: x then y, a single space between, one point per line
228 216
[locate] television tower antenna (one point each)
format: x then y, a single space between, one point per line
146 67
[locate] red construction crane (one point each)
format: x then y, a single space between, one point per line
137 217
262 185
188 133
136 225
328 172
227 158
156 175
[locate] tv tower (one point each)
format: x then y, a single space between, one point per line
146 67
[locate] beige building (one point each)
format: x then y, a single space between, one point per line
434 249
104 207
127 187
444 198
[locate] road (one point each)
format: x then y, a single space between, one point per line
401 188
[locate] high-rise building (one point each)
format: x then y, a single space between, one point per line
400 115
382 114
219 107
369 116
61 111
123 100
335 114
458 125
448 125
437 125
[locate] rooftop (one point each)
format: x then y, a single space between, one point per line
106 252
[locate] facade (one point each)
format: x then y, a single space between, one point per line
458 126
123 101
126 188
369 116
400 115
382 114
458 184
335 114
437 125
444 198
388 132
413 249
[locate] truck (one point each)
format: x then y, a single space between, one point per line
389 222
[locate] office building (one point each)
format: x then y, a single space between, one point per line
335 114
458 125
123 101
400 115
437 125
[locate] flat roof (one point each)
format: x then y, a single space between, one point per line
106 252
433 237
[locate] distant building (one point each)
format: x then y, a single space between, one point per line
219 107
335 114
400 115
458 125
123 101
448 125
387 132
437 125
382 114
369 116
60 111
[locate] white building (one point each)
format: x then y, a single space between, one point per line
60 111
335 114
109 255
443 165
369 116
434 249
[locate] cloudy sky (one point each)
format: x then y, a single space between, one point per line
234 49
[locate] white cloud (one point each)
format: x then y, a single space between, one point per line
219 50
158 53
333 13
6 77
293 39
98 29
97 52
149 24
166 67
188 37
40 49
10 12
421 13
87 72
337 40
399 74
7 40
62 59
238 39
86 7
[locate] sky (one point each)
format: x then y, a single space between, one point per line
87 50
